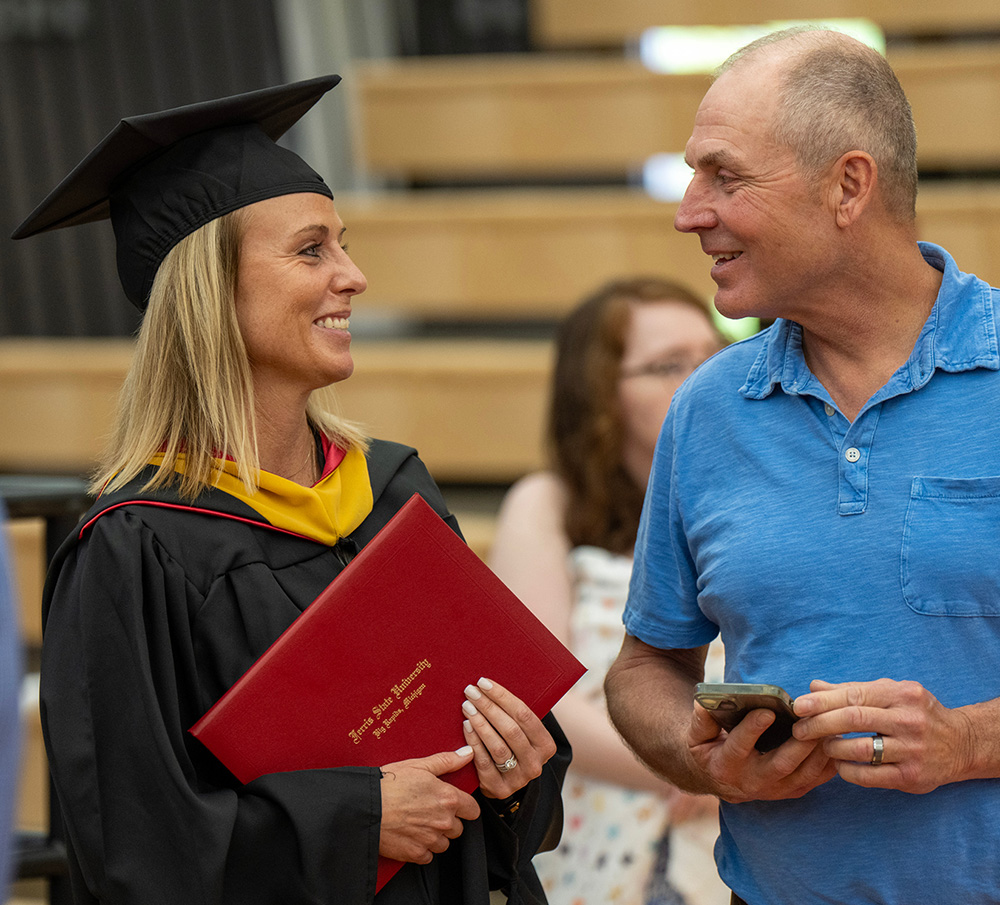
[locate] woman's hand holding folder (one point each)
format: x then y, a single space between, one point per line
421 813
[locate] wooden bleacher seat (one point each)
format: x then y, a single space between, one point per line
32 815
954 91
472 407
595 23
964 217
549 116
471 254
529 254
56 400
478 529
520 115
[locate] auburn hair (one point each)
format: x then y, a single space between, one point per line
585 424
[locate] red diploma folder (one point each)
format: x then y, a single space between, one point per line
373 671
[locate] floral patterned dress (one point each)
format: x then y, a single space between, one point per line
611 835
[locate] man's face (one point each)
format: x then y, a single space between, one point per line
767 228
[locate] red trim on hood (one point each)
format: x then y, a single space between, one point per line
235 518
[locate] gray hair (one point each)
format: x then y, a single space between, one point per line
839 95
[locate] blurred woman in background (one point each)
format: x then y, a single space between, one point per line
564 545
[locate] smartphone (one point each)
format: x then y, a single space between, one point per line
729 702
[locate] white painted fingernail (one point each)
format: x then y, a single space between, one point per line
472 692
469 708
485 684
467 726
465 751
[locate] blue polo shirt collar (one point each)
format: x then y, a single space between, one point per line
959 335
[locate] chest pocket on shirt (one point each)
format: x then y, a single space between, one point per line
950 558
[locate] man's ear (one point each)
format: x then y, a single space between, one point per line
852 186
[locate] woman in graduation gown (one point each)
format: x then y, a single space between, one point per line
229 498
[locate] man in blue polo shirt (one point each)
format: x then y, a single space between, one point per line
827 495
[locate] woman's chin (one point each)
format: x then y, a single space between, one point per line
342 371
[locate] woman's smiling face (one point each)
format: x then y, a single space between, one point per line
295 285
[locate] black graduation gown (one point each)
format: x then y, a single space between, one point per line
153 611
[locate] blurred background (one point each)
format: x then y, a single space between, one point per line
494 160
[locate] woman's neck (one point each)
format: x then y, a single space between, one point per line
287 447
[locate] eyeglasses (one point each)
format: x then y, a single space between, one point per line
675 368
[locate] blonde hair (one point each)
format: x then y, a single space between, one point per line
189 390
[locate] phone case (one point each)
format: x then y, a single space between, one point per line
729 702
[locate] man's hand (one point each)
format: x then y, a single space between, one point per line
925 745
651 701
739 772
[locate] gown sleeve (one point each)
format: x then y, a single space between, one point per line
512 840
150 816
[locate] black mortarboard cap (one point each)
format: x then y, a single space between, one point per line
161 176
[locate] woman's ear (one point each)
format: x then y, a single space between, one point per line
853 182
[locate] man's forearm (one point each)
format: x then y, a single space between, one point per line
650 695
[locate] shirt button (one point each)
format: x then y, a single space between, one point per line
852 455
829 409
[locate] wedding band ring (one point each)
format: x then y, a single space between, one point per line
507 765
878 749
